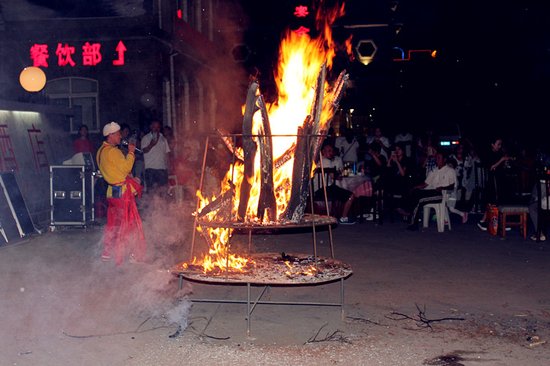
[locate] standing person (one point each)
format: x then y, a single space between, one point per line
124 232
139 169
348 147
406 139
124 136
155 154
495 162
82 143
384 142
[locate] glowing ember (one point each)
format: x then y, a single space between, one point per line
273 268
302 64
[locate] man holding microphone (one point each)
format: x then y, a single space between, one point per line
123 236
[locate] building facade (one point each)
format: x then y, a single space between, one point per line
105 60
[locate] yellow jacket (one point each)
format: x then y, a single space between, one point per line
114 166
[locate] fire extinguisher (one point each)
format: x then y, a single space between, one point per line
492 219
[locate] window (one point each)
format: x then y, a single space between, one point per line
80 94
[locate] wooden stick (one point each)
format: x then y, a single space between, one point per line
249 148
267 204
307 148
299 168
287 155
218 202
228 142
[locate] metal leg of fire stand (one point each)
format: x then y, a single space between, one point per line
198 199
250 309
330 241
342 298
251 305
326 206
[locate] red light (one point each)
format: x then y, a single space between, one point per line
179 14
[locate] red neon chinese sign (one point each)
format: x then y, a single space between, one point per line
65 55
301 11
39 55
91 54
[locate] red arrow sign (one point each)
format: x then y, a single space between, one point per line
120 48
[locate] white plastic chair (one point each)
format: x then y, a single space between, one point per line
441 213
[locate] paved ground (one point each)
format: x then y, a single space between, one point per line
415 298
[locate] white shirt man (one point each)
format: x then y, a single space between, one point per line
441 177
348 150
155 155
444 177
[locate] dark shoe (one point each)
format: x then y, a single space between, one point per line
412 227
482 225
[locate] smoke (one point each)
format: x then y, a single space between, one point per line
167 225
156 295
150 290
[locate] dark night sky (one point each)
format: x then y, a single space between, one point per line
490 76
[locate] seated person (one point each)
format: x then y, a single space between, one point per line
442 178
375 163
332 166
454 195
396 180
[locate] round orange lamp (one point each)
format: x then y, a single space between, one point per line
32 79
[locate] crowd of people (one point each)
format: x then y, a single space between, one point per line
406 171
411 171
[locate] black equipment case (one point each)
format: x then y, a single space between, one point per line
71 195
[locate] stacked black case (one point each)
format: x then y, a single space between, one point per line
71 195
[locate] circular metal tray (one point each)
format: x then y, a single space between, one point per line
273 269
307 221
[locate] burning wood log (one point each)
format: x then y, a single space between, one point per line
339 88
249 148
228 142
318 131
287 155
334 99
267 204
300 174
317 107
305 148
220 201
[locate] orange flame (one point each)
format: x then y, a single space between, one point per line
300 61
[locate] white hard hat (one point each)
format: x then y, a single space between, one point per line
110 128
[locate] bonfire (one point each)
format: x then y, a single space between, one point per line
268 182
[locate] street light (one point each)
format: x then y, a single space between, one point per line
32 79
366 49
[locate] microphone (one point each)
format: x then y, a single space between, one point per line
126 143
